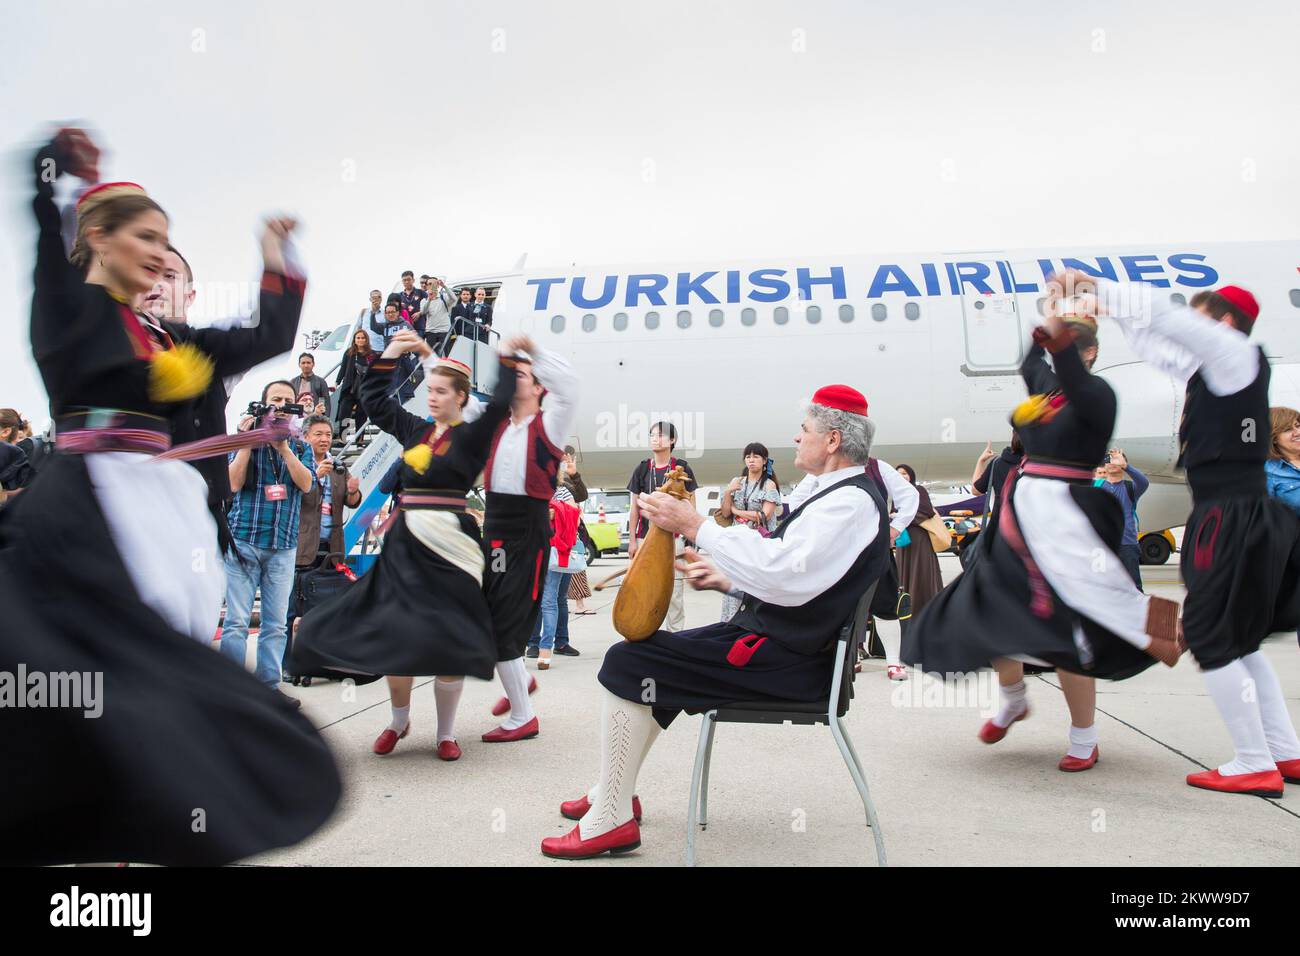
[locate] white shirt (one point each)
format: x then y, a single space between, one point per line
559 410
1178 340
817 549
902 493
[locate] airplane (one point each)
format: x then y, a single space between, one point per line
729 352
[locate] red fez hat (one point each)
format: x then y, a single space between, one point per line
1241 300
108 191
841 397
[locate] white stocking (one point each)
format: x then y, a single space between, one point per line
514 678
627 730
1279 731
1235 696
446 693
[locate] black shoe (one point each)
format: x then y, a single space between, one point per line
291 700
531 652
568 650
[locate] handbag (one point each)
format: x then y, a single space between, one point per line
940 536
577 560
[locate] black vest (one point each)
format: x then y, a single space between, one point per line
810 628
1223 440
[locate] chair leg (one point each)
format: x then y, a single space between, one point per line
860 781
693 808
704 777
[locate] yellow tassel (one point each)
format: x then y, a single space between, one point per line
418 457
179 374
1030 410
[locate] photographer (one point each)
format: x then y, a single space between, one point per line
1127 484
269 483
320 527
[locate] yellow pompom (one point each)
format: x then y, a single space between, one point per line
1030 410
179 374
418 457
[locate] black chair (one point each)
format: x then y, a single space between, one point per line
829 712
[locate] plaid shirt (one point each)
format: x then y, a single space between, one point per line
262 523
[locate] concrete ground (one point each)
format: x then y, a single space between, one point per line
781 795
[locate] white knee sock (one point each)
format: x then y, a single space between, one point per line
1014 702
1279 731
593 794
446 693
627 731
891 638
401 717
1235 694
514 678
1082 741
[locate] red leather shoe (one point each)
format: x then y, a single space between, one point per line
1075 764
503 705
991 733
386 741
503 736
1290 770
572 846
1267 783
577 809
448 750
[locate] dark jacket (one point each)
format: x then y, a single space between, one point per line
309 518
352 369
318 387
575 484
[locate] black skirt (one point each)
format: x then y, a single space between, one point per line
1241 565
986 613
706 667
412 614
192 761
516 550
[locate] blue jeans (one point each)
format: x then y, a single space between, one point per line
553 622
272 570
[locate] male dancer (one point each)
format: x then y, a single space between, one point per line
520 479
1241 558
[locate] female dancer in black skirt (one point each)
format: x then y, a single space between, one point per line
189 760
1241 557
1051 591
420 610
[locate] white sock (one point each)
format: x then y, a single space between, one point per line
514 678
446 693
401 718
593 794
627 730
891 638
1082 741
1235 694
1012 704
1279 731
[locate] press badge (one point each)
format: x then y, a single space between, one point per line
276 492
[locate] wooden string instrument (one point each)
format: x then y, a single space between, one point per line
643 599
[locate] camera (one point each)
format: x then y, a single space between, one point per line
259 411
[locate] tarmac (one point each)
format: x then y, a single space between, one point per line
781 795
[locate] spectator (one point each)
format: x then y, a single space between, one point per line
269 483
579 586
371 318
308 381
390 322
918 565
1282 470
482 314
436 310
462 316
646 478
1112 477
554 618
15 470
410 296
752 499
352 370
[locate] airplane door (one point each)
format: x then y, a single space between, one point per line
994 338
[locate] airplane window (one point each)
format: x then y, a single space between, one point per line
715 318
1042 306
814 314
879 312
589 323
1295 298
780 315
912 311
683 319
846 313
652 320
557 324
748 316
1178 299
620 321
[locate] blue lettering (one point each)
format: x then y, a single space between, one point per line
931 276
649 285
686 285
733 286
769 279
1017 286
1104 269
606 295
1186 261
835 280
979 272
891 279
953 284
1137 272
1046 268
543 291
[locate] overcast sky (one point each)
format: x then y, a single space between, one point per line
452 137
